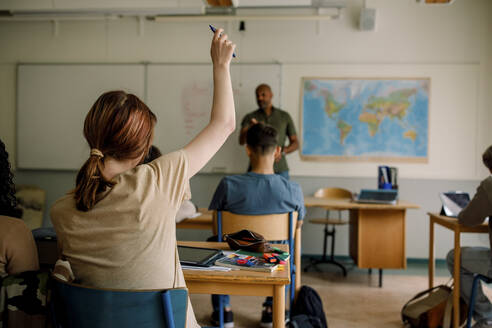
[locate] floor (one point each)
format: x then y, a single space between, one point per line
349 302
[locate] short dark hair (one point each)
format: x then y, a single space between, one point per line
487 158
262 138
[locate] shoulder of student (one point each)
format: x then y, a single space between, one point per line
12 225
67 201
487 183
487 187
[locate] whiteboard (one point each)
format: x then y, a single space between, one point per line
181 97
53 100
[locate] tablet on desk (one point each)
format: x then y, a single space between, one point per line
197 256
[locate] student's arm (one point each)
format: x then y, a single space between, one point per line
21 251
223 117
477 209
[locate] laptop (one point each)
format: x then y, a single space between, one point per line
197 256
453 202
377 196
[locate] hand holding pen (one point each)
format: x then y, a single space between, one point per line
214 30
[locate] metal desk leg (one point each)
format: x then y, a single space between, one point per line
380 278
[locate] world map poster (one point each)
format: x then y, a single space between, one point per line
365 119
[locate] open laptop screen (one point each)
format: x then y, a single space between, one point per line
453 202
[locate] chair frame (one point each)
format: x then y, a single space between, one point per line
476 281
281 222
165 295
332 193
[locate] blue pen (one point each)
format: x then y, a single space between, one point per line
213 30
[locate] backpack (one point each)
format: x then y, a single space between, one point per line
432 308
308 310
304 321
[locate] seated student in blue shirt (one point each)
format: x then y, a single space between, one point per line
257 192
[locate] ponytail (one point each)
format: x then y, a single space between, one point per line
90 182
120 126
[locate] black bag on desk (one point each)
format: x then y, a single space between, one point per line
308 311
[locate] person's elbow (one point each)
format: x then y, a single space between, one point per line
230 126
469 219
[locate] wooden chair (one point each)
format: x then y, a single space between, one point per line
77 306
275 227
330 193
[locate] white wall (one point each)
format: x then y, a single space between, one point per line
407 33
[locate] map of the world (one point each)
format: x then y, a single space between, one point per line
377 119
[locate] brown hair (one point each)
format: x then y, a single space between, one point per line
120 126
487 158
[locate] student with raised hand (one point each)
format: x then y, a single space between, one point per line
117 227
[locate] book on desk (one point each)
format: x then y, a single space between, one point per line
245 261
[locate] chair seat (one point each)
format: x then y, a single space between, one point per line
328 221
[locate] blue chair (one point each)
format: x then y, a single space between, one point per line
476 280
272 226
77 306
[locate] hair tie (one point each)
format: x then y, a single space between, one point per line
97 152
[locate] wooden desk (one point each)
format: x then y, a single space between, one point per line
240 282
451 224
377 232
205 222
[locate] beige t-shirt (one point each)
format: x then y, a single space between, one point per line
18 252
128 239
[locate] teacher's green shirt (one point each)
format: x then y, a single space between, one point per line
282 122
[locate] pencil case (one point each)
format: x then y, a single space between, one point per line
249 241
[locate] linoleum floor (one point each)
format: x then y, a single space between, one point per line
354 301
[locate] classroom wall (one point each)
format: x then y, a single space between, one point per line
407 33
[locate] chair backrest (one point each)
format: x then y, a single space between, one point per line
333 193
270 226
77 306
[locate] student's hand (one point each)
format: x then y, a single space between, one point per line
222 49
253 122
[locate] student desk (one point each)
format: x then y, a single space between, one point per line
240 282
377 232
205 222
453 225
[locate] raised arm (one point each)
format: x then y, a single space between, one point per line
223 117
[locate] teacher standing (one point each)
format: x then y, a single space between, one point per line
277 118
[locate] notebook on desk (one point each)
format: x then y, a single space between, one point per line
377 196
